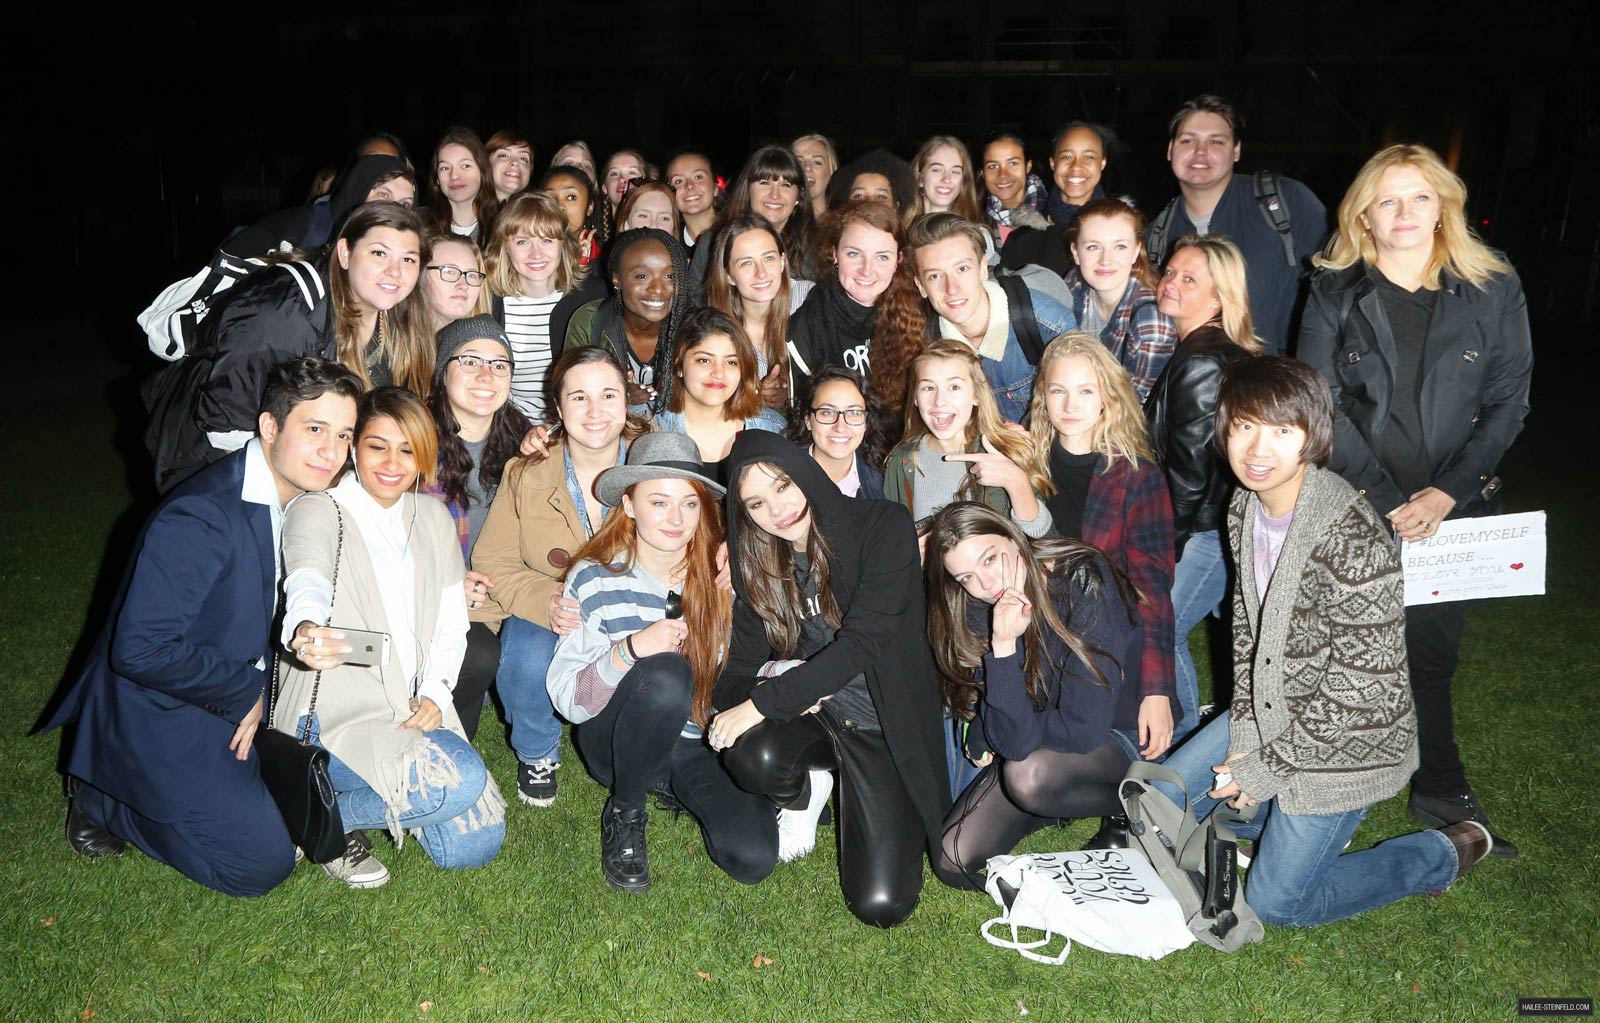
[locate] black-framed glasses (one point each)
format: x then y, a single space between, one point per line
451 274
828 416
473 363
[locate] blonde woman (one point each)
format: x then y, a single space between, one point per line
957 447
1089 434
1203 290
1414 320
533 265
819 160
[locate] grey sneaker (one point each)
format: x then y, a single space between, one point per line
536 782
358 868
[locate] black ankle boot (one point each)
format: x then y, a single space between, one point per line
1113 834
623 857
86 837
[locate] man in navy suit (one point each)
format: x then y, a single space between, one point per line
173 693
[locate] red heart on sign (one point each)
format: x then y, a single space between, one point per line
1516 566
1435 593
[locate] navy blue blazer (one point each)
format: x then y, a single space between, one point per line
174 671
871 477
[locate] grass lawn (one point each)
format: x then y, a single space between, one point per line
537 935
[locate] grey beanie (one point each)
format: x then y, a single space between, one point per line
457 334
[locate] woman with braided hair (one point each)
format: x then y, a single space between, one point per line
639 322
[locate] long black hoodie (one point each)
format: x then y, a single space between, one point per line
876 578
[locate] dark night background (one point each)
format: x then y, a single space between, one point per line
147 131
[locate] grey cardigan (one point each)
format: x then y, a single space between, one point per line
1322 699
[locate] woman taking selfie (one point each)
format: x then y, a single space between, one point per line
749 280
1113 291
846 429
715 397
362 309
636 676
829 670
462 196
544 511
1034 637
369 554
1421 331
1204 293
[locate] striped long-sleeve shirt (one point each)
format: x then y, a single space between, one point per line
614 602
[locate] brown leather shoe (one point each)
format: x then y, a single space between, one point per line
1472 841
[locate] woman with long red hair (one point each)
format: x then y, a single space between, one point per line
636 676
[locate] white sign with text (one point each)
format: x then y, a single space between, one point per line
1469 559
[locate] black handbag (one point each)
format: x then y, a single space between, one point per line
296 772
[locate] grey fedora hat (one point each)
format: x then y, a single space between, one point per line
655 456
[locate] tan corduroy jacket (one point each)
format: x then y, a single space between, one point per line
531 535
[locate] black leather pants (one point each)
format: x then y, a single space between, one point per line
881 839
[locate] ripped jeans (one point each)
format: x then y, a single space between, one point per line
440 817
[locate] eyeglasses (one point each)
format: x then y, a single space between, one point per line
473 363
828 416
451 274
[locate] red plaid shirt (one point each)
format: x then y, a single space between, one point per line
1128 514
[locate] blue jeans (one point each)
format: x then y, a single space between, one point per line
439 814
1198 585
526 650
961 771
1298 877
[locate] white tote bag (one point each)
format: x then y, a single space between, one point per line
1107 899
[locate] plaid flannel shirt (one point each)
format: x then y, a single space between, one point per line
1138 335
1128 515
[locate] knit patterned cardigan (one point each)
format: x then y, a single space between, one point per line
1322 699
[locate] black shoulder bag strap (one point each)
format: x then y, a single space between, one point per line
1024 323
1275 210
1155 236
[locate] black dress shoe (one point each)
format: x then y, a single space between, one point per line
1113 834
85 837
1442 811
623 857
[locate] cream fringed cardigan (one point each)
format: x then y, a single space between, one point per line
359 709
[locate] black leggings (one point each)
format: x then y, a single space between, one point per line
1011 800
635 743
478 667
881 837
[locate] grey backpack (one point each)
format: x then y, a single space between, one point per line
1198 862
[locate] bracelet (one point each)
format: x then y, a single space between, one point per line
623 655
633 655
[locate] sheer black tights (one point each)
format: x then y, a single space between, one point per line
1010 800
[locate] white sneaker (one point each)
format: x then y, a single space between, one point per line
358 868
797 827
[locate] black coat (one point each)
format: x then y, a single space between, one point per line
1476 367
275 314
1181 409
313 225
830 327
876 577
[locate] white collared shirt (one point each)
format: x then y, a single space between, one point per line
261 487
